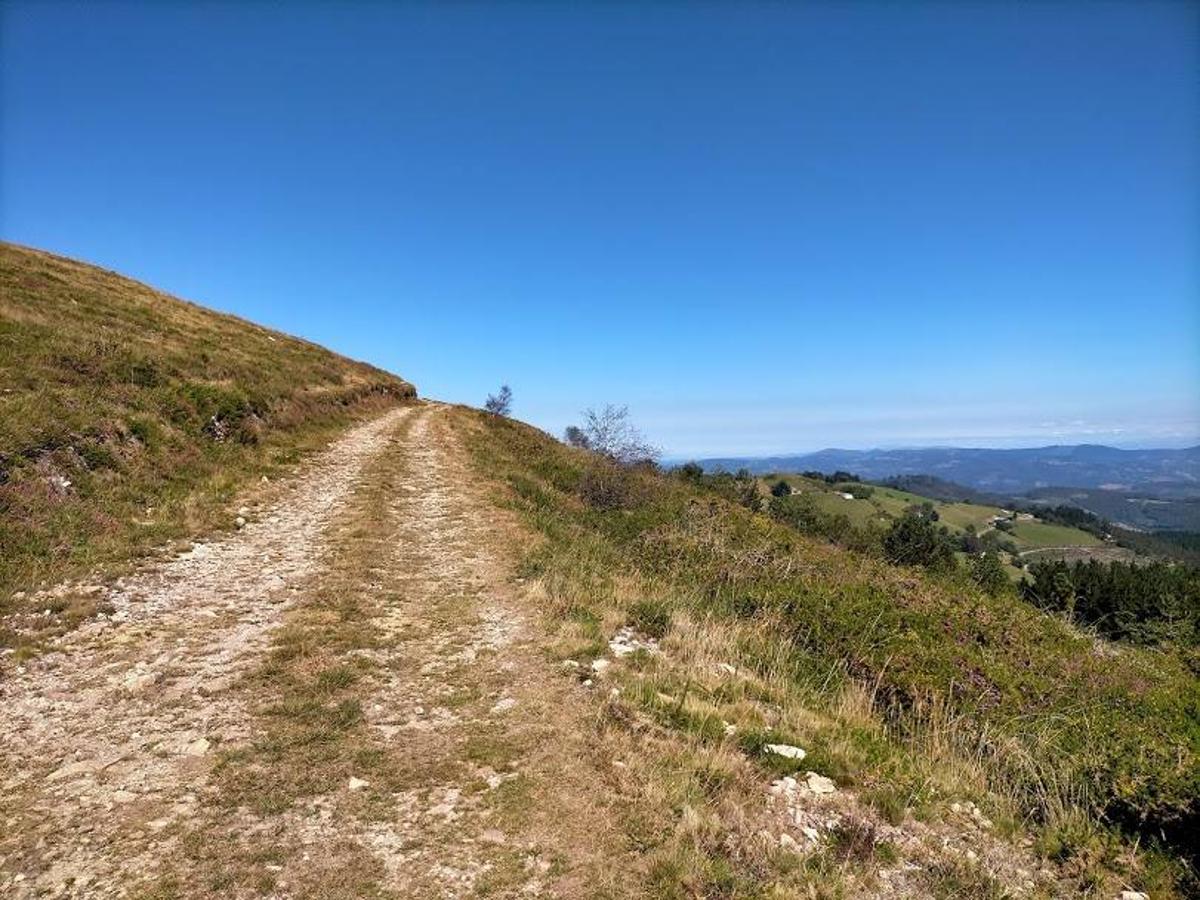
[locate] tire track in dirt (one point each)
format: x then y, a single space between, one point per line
469 772
103 743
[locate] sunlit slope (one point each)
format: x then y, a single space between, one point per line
1066 734
128 416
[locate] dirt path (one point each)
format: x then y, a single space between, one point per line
339 700
122 718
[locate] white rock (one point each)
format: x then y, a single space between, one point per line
357 784
197 747
570 664
627 641
599 665
784 787
787 751
504 705
811 833
819 784
1134 895
787 842
240 521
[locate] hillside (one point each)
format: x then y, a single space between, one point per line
1131 510
915 694
1019 536
439 653
1157 473
129 417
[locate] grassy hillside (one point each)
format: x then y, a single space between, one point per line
1033 535
908 689
128 417
885 504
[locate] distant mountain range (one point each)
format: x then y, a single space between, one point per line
1158 473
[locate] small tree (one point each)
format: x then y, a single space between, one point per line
781 489
575 437
610 433
746 490
924 510
987 571
915 540
500 404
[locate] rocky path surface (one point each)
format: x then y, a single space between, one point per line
178 748
118 723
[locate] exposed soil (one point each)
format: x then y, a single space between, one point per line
113 746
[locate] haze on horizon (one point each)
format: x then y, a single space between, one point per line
766 228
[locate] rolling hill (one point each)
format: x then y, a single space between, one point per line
1128 509
1168 474
129 417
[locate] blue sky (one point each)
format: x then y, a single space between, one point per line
765 227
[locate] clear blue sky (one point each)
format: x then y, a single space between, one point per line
764 227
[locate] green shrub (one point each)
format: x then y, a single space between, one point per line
606 485
915 540
987 571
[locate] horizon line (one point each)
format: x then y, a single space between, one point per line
902 447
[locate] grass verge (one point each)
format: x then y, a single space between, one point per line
933 689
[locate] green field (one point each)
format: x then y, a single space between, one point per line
1035 535
959 515
859 512
894 502
886 504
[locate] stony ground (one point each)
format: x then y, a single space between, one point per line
149 755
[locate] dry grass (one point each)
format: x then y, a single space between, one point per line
871 669
413 610
129 418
